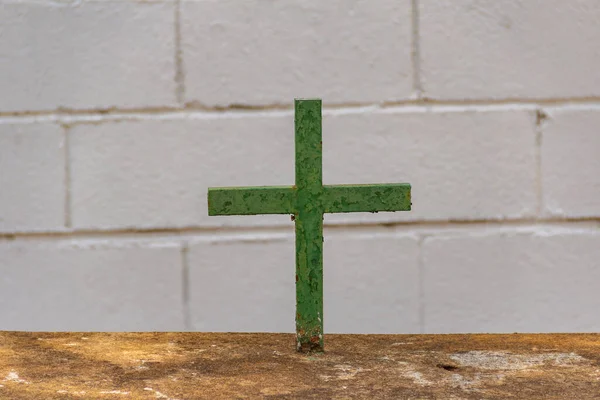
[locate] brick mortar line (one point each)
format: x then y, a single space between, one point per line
418 104
78 3
67 185
591 223
421 279
179 70
540 119
185 280
416 51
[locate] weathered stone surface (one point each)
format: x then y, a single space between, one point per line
214 366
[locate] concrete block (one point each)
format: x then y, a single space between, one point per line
512 282
82 286
87 55
262 52
513 49
32 177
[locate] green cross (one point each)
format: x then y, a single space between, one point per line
307 201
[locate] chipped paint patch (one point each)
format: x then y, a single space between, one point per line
158 394
471 384
114 392
14 377
142 366
274 392
343 373
407 371
79 393
416 377
347 371
503 360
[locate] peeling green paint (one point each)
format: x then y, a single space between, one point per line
307 201
367 198
309 226
251 200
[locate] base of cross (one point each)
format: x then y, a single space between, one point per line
37 365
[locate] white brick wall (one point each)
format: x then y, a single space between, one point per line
260 52
118 182
450 154
512 282
32 177
571 163
254 290
86 55
115 118
488 49
90 286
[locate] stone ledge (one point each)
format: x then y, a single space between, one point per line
227 365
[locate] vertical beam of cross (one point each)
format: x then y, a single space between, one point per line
309 225
308 200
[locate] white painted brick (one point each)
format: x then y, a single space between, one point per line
264 52
509 49
83 287
370 285
461 165
243 286
512 282
571 163
32 177
92 54
156 173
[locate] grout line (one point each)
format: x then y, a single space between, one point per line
73 3
416 51
244 108
401 226
186 286
540 118
67 185
421 274
179 70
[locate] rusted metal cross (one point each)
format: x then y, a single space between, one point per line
307 201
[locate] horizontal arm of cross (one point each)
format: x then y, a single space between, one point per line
366 198
334 199
251 200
